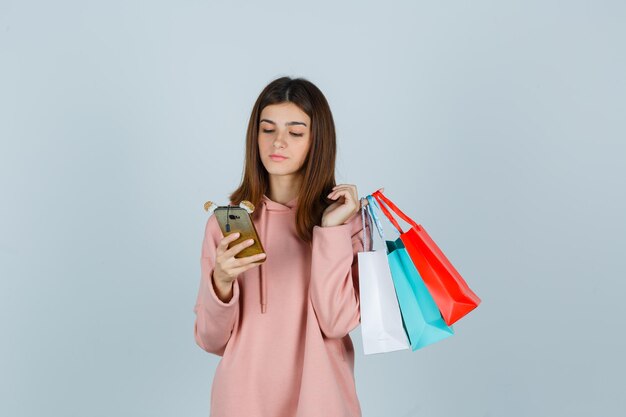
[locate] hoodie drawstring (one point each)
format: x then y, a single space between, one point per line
262 276
268 205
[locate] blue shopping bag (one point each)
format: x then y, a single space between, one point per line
421 317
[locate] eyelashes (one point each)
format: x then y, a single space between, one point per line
294 134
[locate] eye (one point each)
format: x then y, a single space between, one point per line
293 133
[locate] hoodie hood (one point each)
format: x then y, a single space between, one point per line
267 209
272 205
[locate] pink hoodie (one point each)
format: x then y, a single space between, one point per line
283 337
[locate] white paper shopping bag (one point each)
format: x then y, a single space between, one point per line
381 321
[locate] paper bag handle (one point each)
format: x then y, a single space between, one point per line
378 195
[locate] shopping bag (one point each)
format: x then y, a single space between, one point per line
422 320
451 293
381 322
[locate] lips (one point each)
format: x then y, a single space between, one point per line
278 157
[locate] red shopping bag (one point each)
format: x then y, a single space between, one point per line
449 290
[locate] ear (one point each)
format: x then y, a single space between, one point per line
248 206
210 207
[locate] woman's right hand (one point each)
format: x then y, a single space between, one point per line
227 267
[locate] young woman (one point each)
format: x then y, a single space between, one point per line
281 327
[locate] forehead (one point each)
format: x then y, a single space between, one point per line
284 113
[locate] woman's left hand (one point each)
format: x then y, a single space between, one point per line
346 206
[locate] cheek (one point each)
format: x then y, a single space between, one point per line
264 145
302 157
303 149
307 147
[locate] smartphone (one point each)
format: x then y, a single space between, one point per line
234 219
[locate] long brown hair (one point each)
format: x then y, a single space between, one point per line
318 169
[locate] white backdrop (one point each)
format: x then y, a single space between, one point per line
499 126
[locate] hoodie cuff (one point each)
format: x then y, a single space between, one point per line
216 300
215 320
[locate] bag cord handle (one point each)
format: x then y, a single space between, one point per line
380 198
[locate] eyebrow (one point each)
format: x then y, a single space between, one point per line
286 124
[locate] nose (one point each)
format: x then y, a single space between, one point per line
279 141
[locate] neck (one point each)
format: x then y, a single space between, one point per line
284 188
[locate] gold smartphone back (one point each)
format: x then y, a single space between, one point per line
237 219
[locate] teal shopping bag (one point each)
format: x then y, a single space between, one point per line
421 317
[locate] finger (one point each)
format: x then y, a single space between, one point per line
348 193
241 269
236 265
231 252
221 247
344 187
335 194
351 198
338 190
249 259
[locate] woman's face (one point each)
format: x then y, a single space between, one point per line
284 130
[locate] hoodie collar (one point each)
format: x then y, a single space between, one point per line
272 205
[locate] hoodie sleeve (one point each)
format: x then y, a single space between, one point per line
214 318
334 285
